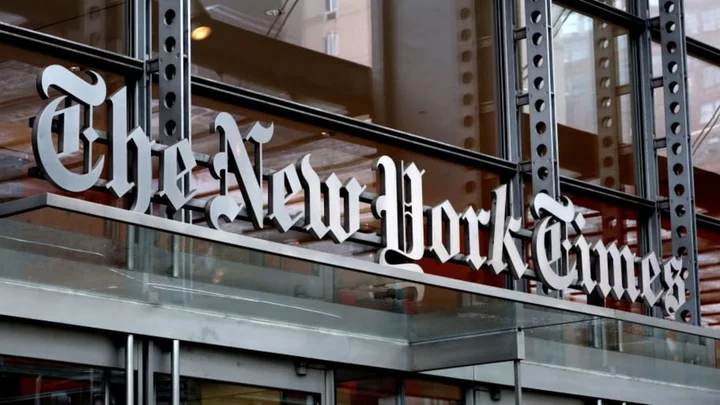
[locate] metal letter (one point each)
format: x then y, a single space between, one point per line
234 157
502 245
176 162
444 245
283 185
391 208
600 268
649 272
674 284
118 151
622 273
543 263
313 204
47 158
473 220
334 191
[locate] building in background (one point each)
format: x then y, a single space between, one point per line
571 98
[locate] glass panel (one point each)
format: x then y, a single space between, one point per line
19 102
69 251
621 348
93 255
204 392
702 19
424 67
419 392
367 391
593 101
41 382
348 157
99 23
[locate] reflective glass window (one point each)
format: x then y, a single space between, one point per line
425 67
99 23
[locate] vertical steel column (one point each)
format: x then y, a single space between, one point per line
679 157
510 138
518 381
328 397
175 372
541 99
174 85
130 370
649 226
541 95
174 70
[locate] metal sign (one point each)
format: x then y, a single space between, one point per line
332 208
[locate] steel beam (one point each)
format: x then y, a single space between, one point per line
680 173
510 138
646 157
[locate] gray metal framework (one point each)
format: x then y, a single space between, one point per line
175 83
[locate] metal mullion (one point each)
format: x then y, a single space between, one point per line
644 138
347 125
605 12
68 50
509 134
680 173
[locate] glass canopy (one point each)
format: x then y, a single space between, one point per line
77 246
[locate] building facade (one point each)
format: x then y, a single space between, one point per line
359 202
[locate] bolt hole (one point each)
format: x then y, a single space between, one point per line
680 211
170 72
169 17
681 231
539 83
674 107
672 67
607 122
671 47
540 128
677 149
676 128
537 38
686 316
605 82
603 43
670 27
466 56
669 7
536 17
543 173
679 190
465 34
682 251
609 182
467 78
678 169
169 44
674 87
542 150
540 105
608 141
467 99
170 99
608 161
606 102
604 63
170 128
538 61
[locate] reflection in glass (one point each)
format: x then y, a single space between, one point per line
41 382
424 67
99 23
204 392
593 101
20 102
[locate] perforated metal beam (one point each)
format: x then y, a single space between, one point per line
541 94
680 174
